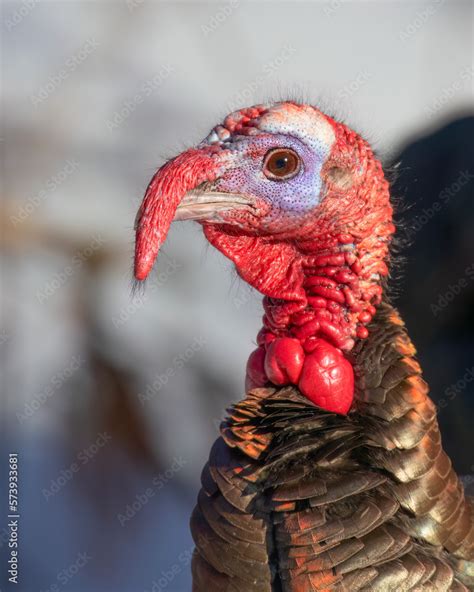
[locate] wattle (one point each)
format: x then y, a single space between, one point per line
323 375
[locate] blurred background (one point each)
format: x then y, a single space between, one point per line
112 400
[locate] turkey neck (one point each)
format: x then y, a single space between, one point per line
339 290
325 285
332 289
389 389
397 425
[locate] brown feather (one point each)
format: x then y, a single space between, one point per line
300 500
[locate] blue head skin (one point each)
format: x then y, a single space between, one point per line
280 204
283 203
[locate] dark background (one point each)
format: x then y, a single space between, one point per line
112 400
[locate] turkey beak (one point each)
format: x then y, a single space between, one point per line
210 206
168 188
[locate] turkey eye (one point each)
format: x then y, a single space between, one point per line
281 164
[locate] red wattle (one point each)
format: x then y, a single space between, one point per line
327 378
256 376
284 360
264 337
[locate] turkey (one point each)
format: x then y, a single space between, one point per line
330 473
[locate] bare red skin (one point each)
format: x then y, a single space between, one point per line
321 286
327 368
284 360
256 375
163 195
